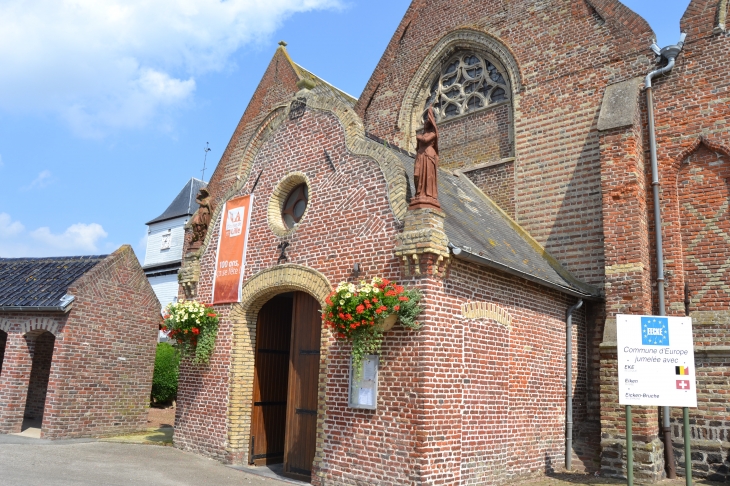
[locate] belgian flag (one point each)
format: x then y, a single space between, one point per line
682 370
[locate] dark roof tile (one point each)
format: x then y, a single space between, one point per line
476 225
184 204
40 282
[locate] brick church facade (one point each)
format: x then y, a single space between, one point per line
545 188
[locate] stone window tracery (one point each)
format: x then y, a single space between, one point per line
467 83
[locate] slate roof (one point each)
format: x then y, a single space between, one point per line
184 204
41 282
486 235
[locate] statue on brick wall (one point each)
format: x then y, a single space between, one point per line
426 169
201 219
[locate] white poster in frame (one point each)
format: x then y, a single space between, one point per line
364 388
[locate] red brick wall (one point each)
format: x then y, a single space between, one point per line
703 186
18 363
497 182
348 220
477 138
564 69
102 367
42 353
203 397
435 384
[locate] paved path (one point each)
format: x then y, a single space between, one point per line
33 462
87 462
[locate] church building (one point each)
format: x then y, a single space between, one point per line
534 233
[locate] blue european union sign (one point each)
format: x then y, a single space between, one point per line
655 331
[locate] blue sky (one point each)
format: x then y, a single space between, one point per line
105 107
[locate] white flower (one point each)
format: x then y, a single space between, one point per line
342 302
348 295
351 287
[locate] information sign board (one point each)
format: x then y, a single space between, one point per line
364 387
656 363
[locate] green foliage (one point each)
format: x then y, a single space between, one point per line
194 327
355 313
164 380
410 309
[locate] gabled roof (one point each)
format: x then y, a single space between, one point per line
41 283
184 204
318 85
482 233
322 87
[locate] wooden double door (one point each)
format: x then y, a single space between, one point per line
284 421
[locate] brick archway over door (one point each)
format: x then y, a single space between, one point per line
258 290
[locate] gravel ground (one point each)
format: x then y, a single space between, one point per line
161 417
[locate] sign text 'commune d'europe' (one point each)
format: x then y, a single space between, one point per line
231 257
656 361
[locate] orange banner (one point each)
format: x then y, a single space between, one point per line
231 258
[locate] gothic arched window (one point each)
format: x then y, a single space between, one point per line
467 83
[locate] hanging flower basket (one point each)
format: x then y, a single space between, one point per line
194 327
360 314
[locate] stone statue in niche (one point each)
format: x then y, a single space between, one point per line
201 219
426 168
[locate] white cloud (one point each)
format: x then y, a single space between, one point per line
77 239
8 227
105 65
43 179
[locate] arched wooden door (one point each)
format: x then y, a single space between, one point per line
284 420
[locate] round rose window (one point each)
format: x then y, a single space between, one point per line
295 205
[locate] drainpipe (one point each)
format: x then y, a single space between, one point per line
569 385
670 53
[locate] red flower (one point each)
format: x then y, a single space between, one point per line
399 288
379 310
360 309
390 293
353 326
375 300
196 331
396 308
403 298
348 317
211 314
341 316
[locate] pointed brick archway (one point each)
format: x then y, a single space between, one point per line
257 291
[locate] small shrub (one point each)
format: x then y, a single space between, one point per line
164 380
